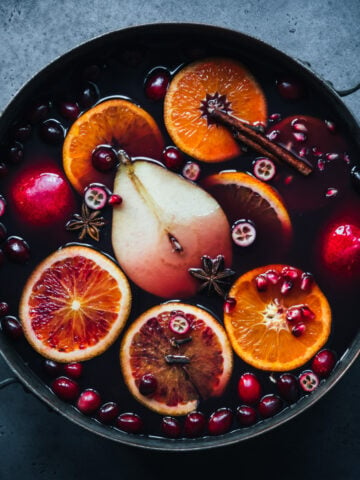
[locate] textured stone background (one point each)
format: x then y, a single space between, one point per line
324 441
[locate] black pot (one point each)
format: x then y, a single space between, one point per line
247 47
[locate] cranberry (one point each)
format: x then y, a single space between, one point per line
15 153
73 370
12 327
195 424
156 84
89 401
108 412
173 158
289 88
88 95
39 112
52 368
2 205
3 170
21 131
69 110
249 388
104 158
52 132
287 386
269 405
4 308
65 388
130 422
323 363
16 249
170 427
220 421
246 415
3 232
308 381
148 384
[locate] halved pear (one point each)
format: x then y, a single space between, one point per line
163 227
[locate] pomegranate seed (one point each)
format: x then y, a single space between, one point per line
346 158
130 422
270 405
261 282
65 388
273 276
73 370
286 287
300 137
323 363
303 152
2 205
290 273
298 126
104 158
229 304
89 401
148 384
331 192
191 171
307 313
16 249
53 369
246 415
4 308
298 329
287 386
243 233
317 152
331 126
220 421
171 427
11 327
69 110
108 412
275 117
173 158
321 164
307 281
288 179
294 314
330 157
195 424
115 199
273 135
249 388
308 381
156 84
52 132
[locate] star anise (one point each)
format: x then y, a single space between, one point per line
89 223
213 274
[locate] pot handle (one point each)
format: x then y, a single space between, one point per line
8 381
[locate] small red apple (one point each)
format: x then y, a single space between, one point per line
41 196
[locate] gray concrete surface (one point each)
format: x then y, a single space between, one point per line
324 442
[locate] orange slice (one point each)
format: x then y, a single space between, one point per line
187 366
221 80
242 196
75 304
117 122
258 326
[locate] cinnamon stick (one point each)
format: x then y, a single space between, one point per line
250 135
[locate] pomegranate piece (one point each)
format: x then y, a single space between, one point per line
170 427
270 405
264 169
156 84
191 171
11 326
179 324
249 388
220 421
287 386
195 424
323 363
96 196
108 412
89 401
173 158
148 384
246 415
308 381
243 233
65 388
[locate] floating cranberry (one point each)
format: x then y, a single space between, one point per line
191 171
96 196
323 363
148 384
4 308
108 412
73 370
3 232
16 249
308 381
287 386
15 153
243 233
173 158
249 388
21 131
104 158
12 327
195 424
246 415
229 304
40 111
89 401
264 169
88 95
115 199
65 388
52 368
130 423
3 170
270 405
289 88
69 110
220 421
2 205
156 84
171 427
52 132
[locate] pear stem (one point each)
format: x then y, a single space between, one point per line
123 157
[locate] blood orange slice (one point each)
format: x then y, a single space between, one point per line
186 367
75 304
280 319
214 80
118 123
